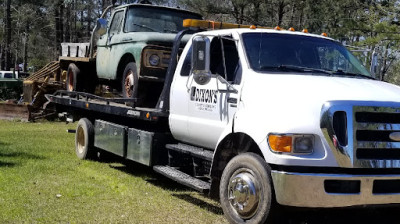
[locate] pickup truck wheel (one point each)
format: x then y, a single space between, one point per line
245 189
73 76
130 81
84 139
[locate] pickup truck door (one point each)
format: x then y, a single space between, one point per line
211 107
106 61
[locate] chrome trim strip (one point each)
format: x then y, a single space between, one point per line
307 190
343 154
377 126
378 145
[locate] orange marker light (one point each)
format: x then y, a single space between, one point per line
277 28
253 27
87 105
324 34
280 143
148 115
305 31
291 29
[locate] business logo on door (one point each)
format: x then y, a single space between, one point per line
206 99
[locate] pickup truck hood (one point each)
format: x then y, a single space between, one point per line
292 103
154 38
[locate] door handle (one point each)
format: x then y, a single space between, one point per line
232 100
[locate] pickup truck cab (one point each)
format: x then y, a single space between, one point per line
10 85
137 45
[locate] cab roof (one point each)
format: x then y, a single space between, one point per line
157 6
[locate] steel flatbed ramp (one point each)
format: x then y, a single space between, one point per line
111 106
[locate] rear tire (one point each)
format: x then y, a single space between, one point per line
73 74
84 140
130 81
246 189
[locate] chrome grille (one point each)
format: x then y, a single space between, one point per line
368 126
372 127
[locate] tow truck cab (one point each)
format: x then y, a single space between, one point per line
326 130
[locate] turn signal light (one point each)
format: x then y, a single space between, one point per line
280 143
291 143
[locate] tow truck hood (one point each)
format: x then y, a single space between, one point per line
292 103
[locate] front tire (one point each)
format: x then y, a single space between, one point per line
246 189
130 81
84 140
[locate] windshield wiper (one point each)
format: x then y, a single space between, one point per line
295 68
146 27
343 73
171 31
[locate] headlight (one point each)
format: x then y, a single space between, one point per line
154 60
291 143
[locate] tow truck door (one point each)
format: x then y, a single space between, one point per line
213 104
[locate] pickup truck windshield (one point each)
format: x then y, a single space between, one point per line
152 19
298 53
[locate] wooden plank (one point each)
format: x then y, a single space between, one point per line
75 59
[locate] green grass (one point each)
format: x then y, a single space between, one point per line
42 181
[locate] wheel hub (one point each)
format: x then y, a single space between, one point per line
80 140
243 193
129 83
71 81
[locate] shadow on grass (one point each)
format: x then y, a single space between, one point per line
4 144
6 164
22 155
146 173
203 204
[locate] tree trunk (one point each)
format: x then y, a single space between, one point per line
89 18
61 8
26 47
68 24
8 36
80 32
57 28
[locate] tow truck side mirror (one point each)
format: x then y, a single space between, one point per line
101 27
201 60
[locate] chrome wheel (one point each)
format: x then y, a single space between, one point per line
80 140
244 193
129 84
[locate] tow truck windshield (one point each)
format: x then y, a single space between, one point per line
269 52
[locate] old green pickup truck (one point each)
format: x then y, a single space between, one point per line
10 85
133 50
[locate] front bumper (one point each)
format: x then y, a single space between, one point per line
335 190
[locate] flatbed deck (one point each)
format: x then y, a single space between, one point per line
111 106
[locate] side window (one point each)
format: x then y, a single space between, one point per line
232 65
117 22
187 63
8 75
